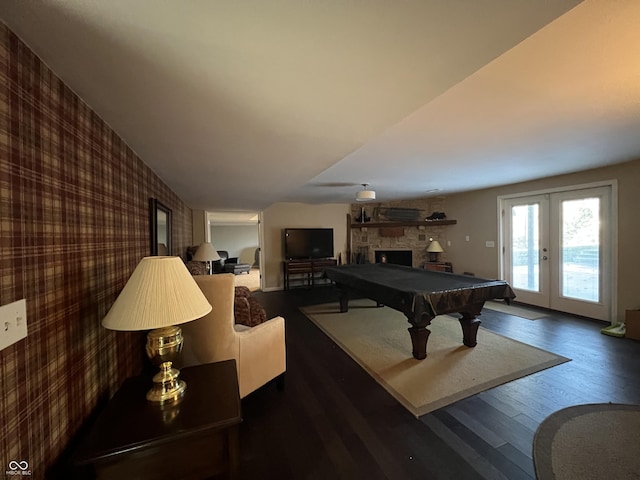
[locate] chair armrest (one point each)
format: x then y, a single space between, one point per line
270 333
262 354
232 260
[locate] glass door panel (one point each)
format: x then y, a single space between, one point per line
526 257
580 267
583 276
525 239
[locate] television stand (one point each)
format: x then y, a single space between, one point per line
309 270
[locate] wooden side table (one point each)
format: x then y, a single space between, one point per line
439 266
311 270
196 438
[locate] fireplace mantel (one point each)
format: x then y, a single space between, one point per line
431 223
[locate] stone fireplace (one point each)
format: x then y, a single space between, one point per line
403 242
396 257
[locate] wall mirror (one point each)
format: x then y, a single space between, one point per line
160 228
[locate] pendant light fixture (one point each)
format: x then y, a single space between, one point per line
365 195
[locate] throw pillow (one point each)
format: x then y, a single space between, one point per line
242 311
258 315
197 268
247 310
242 291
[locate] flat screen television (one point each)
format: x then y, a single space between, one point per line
300 243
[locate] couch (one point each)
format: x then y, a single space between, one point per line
259 351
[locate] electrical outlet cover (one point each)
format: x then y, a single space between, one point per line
13 323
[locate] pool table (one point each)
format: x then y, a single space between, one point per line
421 295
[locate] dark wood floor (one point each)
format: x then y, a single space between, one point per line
333 421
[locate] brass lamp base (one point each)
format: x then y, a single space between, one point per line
166 386
164 346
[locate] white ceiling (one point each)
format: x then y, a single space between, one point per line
239 104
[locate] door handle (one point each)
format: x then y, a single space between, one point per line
545 257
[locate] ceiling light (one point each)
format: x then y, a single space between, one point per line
365 195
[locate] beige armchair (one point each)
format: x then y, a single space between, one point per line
259 351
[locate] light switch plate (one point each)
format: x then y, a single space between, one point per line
13 323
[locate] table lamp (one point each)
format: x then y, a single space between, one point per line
206 253
160 294
434 249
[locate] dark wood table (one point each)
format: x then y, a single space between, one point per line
310 270
421 295
195 438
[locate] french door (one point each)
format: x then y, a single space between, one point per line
557 250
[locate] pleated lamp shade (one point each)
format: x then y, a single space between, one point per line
435 247
160 293
206 253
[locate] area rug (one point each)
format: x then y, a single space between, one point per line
528 313
377 338
592 441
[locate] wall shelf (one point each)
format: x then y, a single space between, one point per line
431 223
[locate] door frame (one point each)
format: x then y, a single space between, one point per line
613 225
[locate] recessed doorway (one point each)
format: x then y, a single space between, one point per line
239 234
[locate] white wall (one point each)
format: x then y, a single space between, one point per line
298 215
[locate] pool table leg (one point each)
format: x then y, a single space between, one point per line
343 296
419 337
470 324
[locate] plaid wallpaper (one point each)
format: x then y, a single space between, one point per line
73 225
